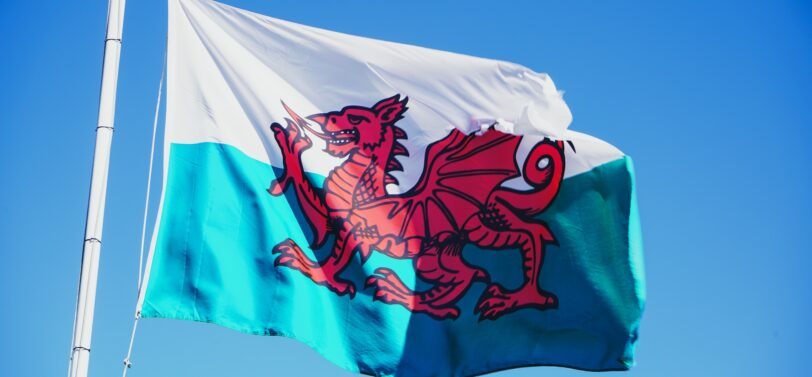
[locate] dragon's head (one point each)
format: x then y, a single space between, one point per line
358 128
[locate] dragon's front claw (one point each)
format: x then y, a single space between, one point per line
292 142
278 186
283 138
291 139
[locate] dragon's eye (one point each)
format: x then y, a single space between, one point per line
356 119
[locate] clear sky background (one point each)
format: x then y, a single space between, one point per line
711 99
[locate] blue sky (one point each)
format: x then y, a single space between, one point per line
710 99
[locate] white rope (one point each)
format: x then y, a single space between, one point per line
127 363
149 175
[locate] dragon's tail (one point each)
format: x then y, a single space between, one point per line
543 170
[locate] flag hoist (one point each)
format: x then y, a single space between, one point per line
91 250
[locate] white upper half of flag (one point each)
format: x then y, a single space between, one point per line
229 71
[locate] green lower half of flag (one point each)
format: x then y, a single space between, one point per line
213 262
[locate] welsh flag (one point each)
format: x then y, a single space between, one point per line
403 211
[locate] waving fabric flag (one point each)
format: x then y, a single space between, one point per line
401 210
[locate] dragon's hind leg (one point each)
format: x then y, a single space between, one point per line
441 265
324 272
497 227
391 290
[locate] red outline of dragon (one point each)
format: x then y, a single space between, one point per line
459 199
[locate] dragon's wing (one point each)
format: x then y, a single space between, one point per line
460 173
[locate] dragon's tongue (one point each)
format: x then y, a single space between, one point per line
314 132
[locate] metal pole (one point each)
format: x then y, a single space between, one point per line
83 323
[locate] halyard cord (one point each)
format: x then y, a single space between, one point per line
127 363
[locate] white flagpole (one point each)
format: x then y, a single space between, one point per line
83 323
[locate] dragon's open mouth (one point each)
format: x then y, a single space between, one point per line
342 137
337 138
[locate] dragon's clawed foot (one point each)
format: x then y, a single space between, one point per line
387 280
497 301
413 304
391 290
292 256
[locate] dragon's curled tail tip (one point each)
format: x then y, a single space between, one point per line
544 162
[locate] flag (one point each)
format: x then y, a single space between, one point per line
401 210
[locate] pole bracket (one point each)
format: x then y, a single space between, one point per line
93 239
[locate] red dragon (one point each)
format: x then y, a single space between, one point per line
459 199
